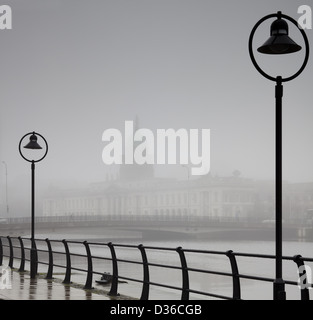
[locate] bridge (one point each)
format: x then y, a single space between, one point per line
150 228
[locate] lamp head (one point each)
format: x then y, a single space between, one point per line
33 144
279 42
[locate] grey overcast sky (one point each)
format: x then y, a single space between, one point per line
71 69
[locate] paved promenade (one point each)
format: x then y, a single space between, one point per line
25 288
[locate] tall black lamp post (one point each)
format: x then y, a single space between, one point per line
279 43
33 144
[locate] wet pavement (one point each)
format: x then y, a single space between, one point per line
25 288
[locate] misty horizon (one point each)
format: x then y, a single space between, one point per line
72 70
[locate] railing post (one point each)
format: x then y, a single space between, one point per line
22 265
11 252
67 278
34 257
146 276
50 267
114 285
235 273
1 252
88 284
305 295
185 280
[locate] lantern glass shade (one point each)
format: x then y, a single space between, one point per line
32 144
279 41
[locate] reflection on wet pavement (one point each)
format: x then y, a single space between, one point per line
25 288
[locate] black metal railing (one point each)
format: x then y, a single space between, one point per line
14 248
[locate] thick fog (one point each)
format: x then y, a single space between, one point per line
72 69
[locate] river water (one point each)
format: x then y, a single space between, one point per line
217 284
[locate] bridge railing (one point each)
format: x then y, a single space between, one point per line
133 219
15 248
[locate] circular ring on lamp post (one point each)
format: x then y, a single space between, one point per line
20 145
307 47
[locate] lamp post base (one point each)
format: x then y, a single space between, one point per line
279 292
33 263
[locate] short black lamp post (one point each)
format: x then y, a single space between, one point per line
278 43
33 144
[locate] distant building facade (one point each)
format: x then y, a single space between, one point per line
140 194
233 198
136 193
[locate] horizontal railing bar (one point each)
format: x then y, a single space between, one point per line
254 255
15 246
165 286
40 250
46 251
159 248
163 266
129 261
74 241
177 288
246 276
132 246
241 276
97 243
150 264
151 283
37 239
77 254
101 258
130 279
174 288
204 251
293 283
78 269
210 294
305 259
59 252
220 273
59 266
